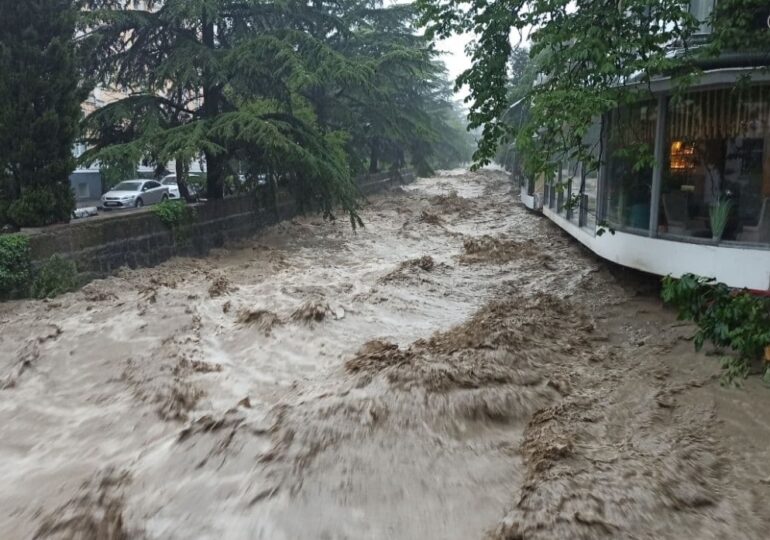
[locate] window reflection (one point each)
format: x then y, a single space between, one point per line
701 10
629 175
716 180
682 156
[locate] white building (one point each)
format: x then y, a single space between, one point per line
712 157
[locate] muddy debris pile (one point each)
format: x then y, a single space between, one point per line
27 357
97 292
452 203
509 360
377 355
96 513
497 250
265 320
512 332
495 185
411 269
25 361
221 286
587 476
162 378
312 311
430 218
165 388
505 359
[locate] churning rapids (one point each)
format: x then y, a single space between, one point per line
458 369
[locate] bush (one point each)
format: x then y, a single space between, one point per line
177 216
15 265
727 318
57 276
174 213
38 207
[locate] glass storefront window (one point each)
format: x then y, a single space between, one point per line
716 175
590 179
701 10
627 194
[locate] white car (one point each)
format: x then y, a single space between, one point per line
135 194
173 187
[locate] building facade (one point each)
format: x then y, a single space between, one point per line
703 206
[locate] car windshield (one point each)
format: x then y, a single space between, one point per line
169 181
128 186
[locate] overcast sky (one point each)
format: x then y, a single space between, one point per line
454 54
457 61
455 58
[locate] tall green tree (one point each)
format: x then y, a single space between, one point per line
225 79
40 96
304 92
406 115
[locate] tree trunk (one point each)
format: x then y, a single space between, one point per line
374 159
401 163
273 194
212 102
182 170
215 176
12 187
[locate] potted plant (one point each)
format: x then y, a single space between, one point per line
719 212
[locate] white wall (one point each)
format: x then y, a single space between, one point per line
736 266
530 201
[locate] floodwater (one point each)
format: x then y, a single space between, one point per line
457 369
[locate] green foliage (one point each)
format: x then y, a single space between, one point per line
735 370
114 173
58 275
588 58
719 213
736 29
42 205
15 265
311 93
40 97
174 213
177 216
603 228
733 319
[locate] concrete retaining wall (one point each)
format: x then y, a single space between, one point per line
102 245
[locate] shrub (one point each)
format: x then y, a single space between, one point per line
57 276
15 265
38 207
733 319
177 216
174 213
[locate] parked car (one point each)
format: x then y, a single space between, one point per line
135 194
173 186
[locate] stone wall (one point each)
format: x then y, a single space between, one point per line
99 246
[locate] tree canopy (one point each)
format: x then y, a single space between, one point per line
584 56
311 93
40 96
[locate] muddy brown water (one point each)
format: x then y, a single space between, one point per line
457 369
